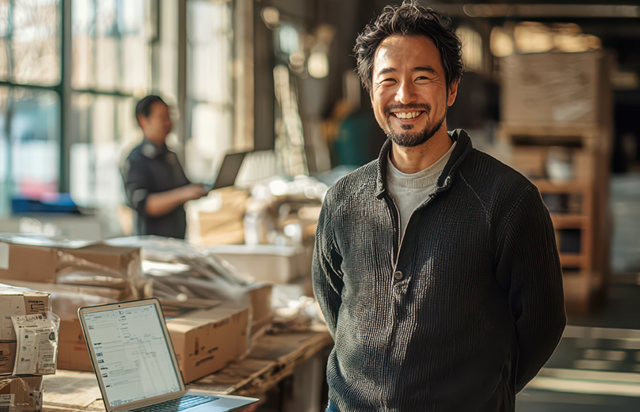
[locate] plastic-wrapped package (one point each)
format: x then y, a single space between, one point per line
37 344
77 289
97 278
185 278
180 272
73 269
161 249
43 259
66 304
21 393
32 239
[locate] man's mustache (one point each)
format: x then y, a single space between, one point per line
425 107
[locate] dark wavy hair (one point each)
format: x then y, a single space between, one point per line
409 19
144 105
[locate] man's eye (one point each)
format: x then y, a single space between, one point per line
388 80
422 78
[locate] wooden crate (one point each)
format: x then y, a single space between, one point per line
555 88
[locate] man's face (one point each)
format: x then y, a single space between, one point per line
158 124
409 89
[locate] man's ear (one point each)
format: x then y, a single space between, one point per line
452 93
140 118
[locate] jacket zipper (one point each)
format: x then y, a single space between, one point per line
400 239
395 218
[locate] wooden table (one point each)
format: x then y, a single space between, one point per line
272 358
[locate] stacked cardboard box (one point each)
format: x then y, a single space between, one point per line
557 116
110 273
18 393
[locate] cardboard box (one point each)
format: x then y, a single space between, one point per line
205 341
260 297
72 348
222 226
7 357
42 263
265 263
19 301
555 88
21 393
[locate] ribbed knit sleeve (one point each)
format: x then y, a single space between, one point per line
528 265
326 274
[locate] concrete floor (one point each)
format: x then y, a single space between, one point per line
596 367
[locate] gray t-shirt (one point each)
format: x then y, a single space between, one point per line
410 190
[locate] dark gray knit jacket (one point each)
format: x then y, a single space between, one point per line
462 314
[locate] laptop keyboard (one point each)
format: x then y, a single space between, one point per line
177 405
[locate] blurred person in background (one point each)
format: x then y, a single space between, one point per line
155 184
435 266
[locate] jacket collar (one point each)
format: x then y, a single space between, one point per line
463 147
151 150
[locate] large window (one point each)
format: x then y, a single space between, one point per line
111 45
115 52
30 76
111 54
209 87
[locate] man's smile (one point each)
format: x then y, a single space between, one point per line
407 115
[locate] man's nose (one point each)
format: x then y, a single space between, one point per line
406 93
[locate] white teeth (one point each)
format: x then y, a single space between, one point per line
410 115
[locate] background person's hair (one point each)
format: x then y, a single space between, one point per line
144 105
409 19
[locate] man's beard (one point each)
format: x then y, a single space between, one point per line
414 138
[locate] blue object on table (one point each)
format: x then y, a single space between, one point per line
62 203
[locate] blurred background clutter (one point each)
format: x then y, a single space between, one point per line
550 87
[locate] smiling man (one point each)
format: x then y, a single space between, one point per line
435 265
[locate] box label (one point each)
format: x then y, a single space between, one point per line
7 400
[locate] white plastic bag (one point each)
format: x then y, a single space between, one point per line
37 343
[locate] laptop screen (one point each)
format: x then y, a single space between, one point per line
132 353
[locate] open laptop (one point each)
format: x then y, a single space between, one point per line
228 171
135 364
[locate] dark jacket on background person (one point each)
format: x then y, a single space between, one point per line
154 169
457 316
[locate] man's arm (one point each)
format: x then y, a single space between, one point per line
136 184
529 267
159 204
326 274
